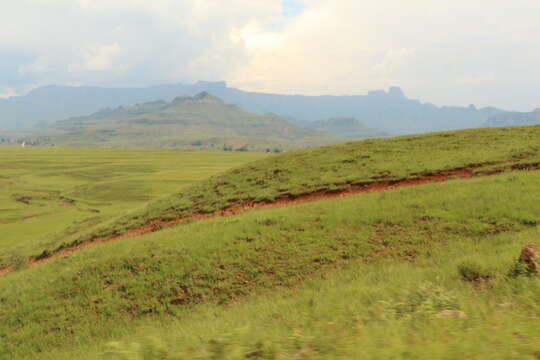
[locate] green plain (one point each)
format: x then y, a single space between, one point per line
45 191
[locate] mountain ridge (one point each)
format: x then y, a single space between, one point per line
389 111
515 118
203 121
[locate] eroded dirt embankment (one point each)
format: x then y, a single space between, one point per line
239 207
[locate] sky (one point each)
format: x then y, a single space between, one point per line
458 52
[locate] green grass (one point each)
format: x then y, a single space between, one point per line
400 252
46 191
383 310
332 168
365 276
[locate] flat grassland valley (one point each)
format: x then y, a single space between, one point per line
396 248
49 190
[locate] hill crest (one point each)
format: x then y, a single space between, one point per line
390 111
202 121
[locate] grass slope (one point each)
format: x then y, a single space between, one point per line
415 248
46 191
332 168
349 128
383 310
514 118
403 247
202 122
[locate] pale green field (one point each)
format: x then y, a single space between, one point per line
51 190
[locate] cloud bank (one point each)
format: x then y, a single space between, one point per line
123 42
446 52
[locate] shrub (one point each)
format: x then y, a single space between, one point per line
518 269
474 272
243 148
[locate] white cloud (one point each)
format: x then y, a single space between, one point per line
6 92
255 38
447 52
476 80
393 60
103 58
127 42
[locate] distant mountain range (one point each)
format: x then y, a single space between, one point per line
515 118
202 121
349 128
390 111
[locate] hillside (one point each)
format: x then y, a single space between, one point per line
344 127
323 172
375 248
515 118
390 111
342 168
202 121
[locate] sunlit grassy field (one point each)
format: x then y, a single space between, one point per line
330 168
421 272
400 252
52 190
385 309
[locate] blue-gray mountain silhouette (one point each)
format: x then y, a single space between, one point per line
390 111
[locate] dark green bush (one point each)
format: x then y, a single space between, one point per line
474 272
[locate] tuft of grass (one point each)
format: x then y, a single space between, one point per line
474 272
520 269
427 299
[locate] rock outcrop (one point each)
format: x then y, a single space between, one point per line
530 258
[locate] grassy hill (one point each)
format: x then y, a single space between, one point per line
334 169
200 122
417 272
514 118
349 128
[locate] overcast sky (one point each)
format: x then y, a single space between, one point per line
457 52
